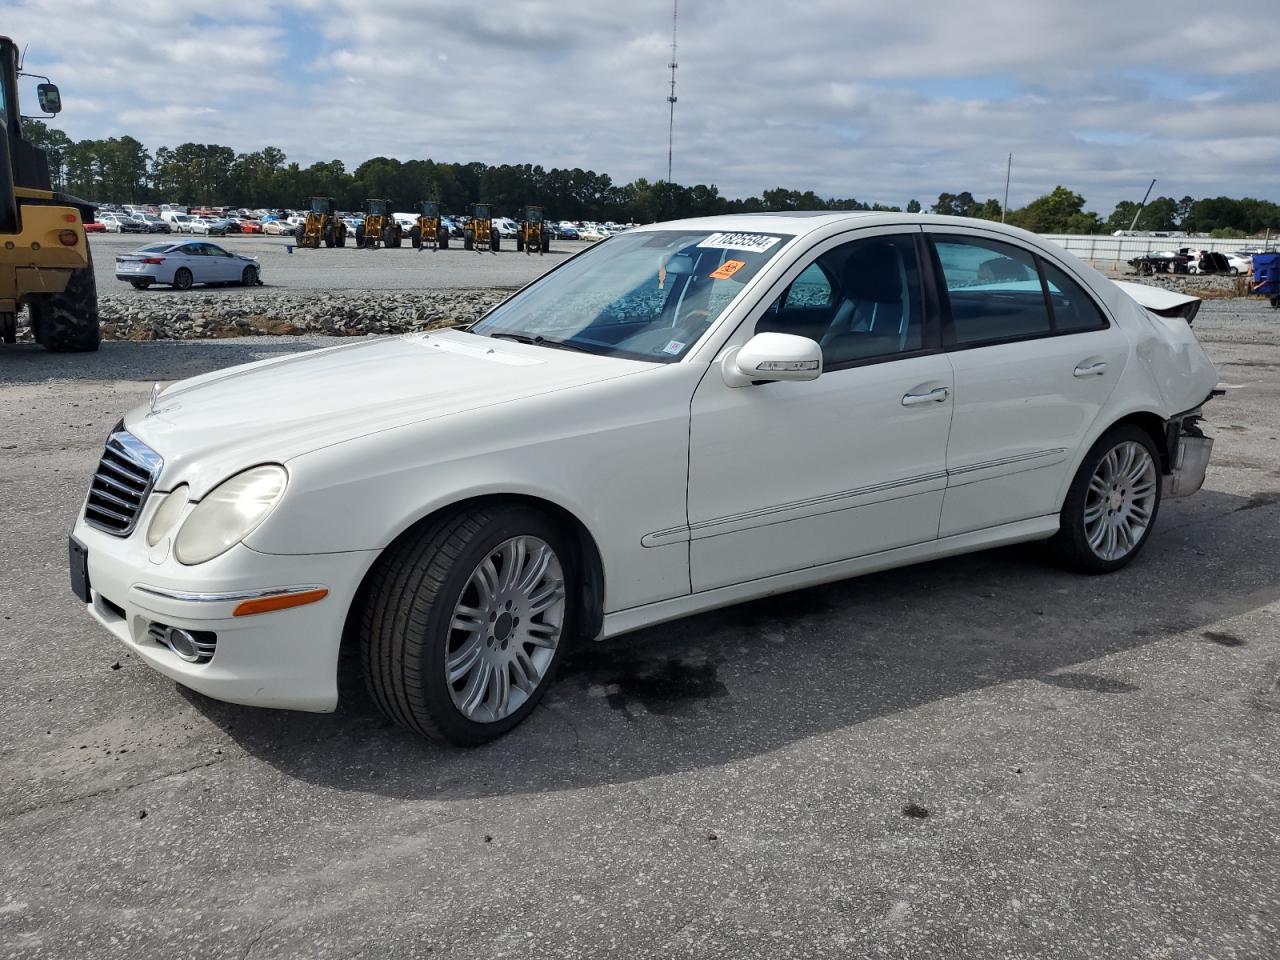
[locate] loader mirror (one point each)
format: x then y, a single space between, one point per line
49 98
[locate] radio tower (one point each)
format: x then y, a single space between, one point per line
671 100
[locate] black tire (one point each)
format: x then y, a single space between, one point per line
495 241
182 279
520 242
359 236
415 237
300 234
249 277
404 623
546 243
468 240
1070 541
140 284
340 238
443 239
328 236
67 322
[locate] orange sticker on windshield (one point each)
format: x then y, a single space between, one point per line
728 269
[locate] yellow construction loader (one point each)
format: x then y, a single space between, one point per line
44 254
322 225
379 227
533 236
479 234
428 231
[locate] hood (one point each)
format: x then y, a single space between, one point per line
273 410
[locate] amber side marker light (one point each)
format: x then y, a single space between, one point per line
280 602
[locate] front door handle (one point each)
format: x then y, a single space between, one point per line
1091 369
937 395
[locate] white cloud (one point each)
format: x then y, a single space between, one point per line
862 99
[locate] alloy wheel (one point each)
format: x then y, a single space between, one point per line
505 629
1120 500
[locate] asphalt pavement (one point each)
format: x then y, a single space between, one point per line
982 757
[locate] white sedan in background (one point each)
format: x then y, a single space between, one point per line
185 263
685 416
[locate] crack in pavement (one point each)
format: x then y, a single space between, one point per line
120 788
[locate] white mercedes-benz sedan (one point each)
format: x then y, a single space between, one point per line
684 416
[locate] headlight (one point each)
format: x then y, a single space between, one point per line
229 513
166 515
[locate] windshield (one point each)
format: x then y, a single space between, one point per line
645 296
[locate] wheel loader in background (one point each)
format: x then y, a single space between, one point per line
428 231
322 225
480 234
533 235
379 227
44 255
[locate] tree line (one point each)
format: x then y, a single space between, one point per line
123 170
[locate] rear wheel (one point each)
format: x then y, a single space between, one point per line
328 236
495 242
67 322
182 279
341 237
300 235
443 239
415 237
464 626
520 242
1112 503
468 240
546 242
360 236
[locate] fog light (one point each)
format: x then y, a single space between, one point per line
182 643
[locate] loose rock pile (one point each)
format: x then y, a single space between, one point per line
1194 285
163 316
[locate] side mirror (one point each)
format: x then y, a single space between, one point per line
772 356
49 98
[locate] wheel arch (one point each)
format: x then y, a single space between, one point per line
1148 421
586 556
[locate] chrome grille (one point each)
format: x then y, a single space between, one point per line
126 473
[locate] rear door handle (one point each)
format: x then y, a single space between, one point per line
1091 369
937 395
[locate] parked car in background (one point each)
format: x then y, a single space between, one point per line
279 228
179 222
1239 263
209 226
184 263
567 231
121 223
505 226
248 225
154 224
95 226
691 415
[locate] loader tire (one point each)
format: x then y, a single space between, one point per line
360 236
415 238
468 240
443 239
67 322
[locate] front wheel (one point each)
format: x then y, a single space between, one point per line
249 278
464 626
67 322
1112 503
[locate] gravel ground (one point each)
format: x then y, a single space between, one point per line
982 757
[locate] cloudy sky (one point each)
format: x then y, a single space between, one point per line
853 98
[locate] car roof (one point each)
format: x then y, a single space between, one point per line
799 223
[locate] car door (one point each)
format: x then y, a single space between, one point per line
790 475
222 265
1034 359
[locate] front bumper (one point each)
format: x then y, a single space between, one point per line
285 659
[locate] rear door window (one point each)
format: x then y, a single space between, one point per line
1074 311
994 289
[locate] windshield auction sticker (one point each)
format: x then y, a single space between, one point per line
750 242
727 269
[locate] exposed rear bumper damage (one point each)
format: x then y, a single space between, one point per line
1186 454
